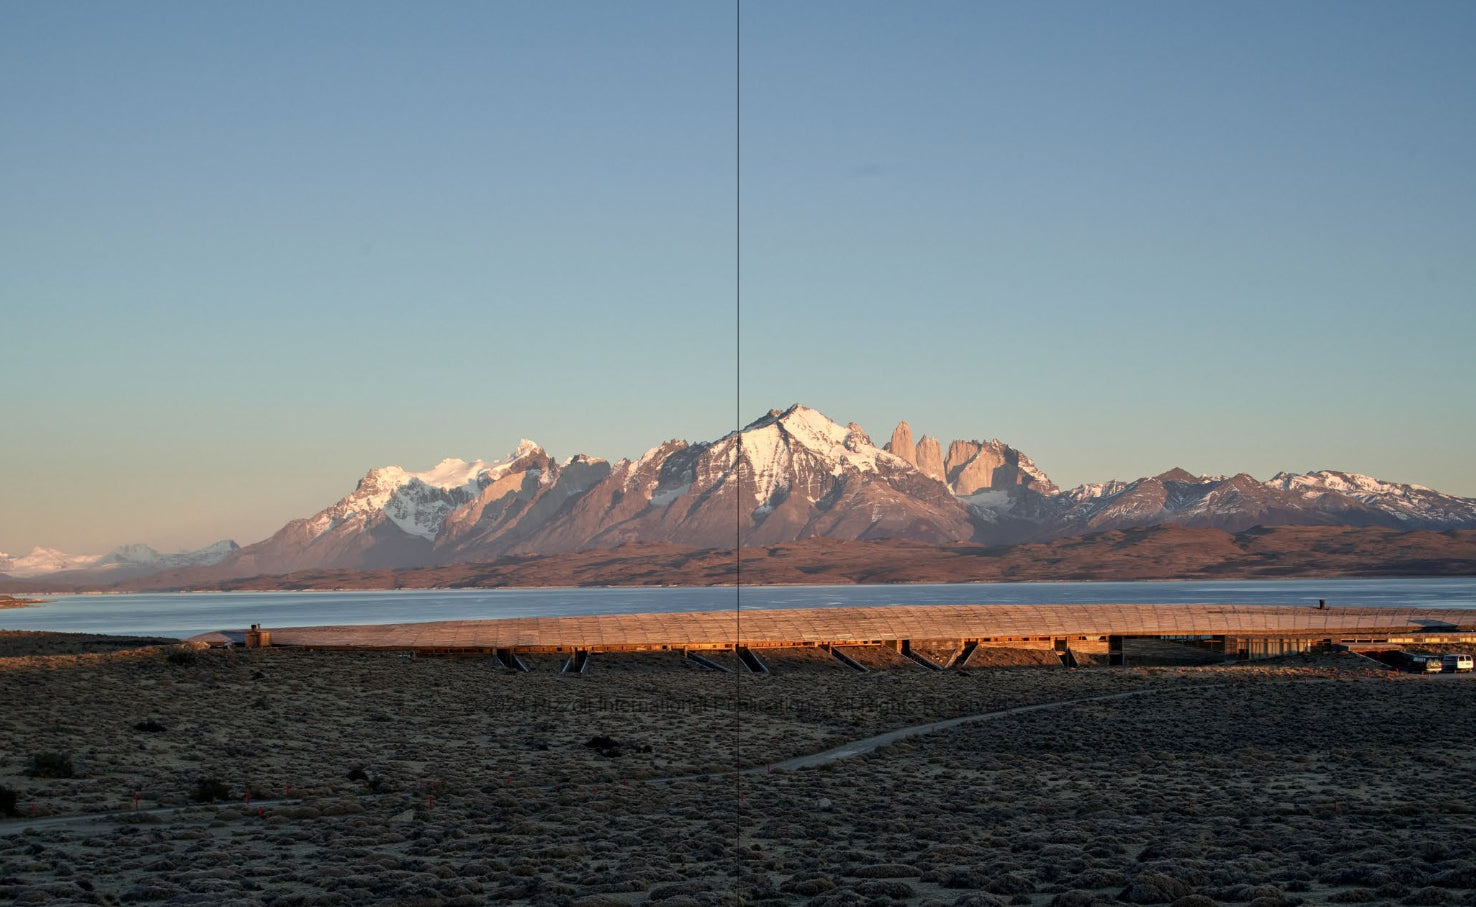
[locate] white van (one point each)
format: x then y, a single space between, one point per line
1455 663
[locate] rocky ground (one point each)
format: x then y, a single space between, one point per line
376 778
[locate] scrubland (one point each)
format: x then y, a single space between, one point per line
166 774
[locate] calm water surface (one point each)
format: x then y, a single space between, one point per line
186 614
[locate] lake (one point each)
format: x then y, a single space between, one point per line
186 614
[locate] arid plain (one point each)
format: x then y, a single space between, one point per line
379 778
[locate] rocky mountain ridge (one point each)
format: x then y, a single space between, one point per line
788 476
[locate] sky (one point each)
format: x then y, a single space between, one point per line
250 251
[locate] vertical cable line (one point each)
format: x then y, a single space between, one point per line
738 436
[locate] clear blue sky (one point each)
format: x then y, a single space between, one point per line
249 251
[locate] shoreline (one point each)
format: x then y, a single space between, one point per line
188 614
829 584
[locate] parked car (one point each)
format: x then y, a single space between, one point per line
1414 663
1456 663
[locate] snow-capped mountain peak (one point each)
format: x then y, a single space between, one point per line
809 427
773 445
813 430
418 502
1343 482
1405 503
137 555
45 560
381 484
1095 490
1039 478
1179 474
124 560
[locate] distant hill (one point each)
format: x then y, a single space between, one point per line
1154 553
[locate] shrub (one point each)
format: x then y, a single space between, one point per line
51 765
807 884
1429 896
181 657
8 799
208 789
604 745
889 888
150 726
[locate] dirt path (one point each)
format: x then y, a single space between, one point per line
861 747
865 745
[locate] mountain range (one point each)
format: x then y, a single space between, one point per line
124 562
789 476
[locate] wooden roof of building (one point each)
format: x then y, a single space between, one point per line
841 625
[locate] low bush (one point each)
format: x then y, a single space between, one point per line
51 765
210 789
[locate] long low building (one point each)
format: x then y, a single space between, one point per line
1247 631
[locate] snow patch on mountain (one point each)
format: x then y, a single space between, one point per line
419 508
989 504
769 460
662 498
